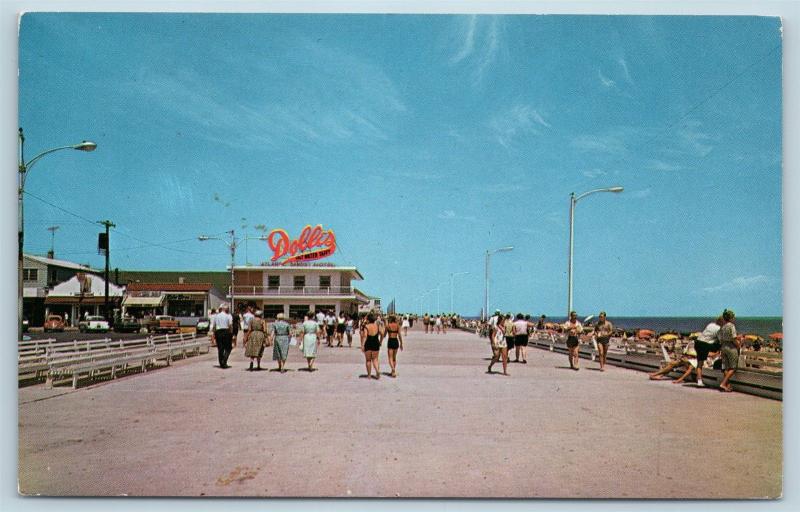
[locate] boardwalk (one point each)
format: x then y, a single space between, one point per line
442 428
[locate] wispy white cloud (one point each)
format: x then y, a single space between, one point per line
518 120
594 173
505 188
740 283
480 44
625 72
599 143
695 140
607 82
640 194
469 41
660 165
452 215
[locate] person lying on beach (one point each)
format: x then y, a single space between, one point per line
687 360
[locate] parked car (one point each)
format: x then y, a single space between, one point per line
202 326
127 324
162 324
93 324
54 323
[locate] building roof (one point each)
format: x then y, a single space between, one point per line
218 280
318 268
96 285
169 287
60 263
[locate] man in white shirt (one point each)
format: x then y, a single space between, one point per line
211 315
222 327
705 344
330 326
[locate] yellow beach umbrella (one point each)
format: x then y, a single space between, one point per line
668 337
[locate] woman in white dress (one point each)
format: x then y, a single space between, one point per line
406 325
311 331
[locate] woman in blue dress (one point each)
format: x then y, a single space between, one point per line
311 331
281 332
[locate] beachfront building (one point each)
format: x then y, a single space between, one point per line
39 276
372 304
296 289
185 295
81 295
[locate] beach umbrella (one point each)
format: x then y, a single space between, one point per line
668 337
752 337
776 336
645 333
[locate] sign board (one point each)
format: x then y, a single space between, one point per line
312 244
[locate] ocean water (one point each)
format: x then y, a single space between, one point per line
762 326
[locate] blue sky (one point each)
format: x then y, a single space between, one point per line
423 141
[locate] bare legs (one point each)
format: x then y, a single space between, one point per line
371 359
725 385
393 361
602 350
574 358
496 356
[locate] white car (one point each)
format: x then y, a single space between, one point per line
93 324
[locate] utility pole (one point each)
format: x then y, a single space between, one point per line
52 230
108 224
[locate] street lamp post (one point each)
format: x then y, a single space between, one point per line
232 244
452 275
24 168
573 200
486 288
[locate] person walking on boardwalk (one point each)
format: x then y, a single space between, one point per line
573 329
499 347
705 344
330 327
222 327
255 338
211 315
521 338
729 347
406 325
341 327
508 332
371 345
426 321
281 333
247 319
348 330
311 332
603 331
395 342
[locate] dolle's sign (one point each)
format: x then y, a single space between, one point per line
312 244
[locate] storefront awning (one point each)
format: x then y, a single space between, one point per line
143 302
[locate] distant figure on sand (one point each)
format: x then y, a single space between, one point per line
573 329
395 342
371 345
311 332
603 331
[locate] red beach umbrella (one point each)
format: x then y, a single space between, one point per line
645 333
776 336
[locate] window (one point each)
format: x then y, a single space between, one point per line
271 310
297 311
299 282
325 282
273 282
30 274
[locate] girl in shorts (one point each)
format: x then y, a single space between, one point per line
573 329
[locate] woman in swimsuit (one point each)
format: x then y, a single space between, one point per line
371 336
395 342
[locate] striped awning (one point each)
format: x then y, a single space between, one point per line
143 302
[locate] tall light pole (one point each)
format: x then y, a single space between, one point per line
573 200
23 168
232 244
486 289
452 275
